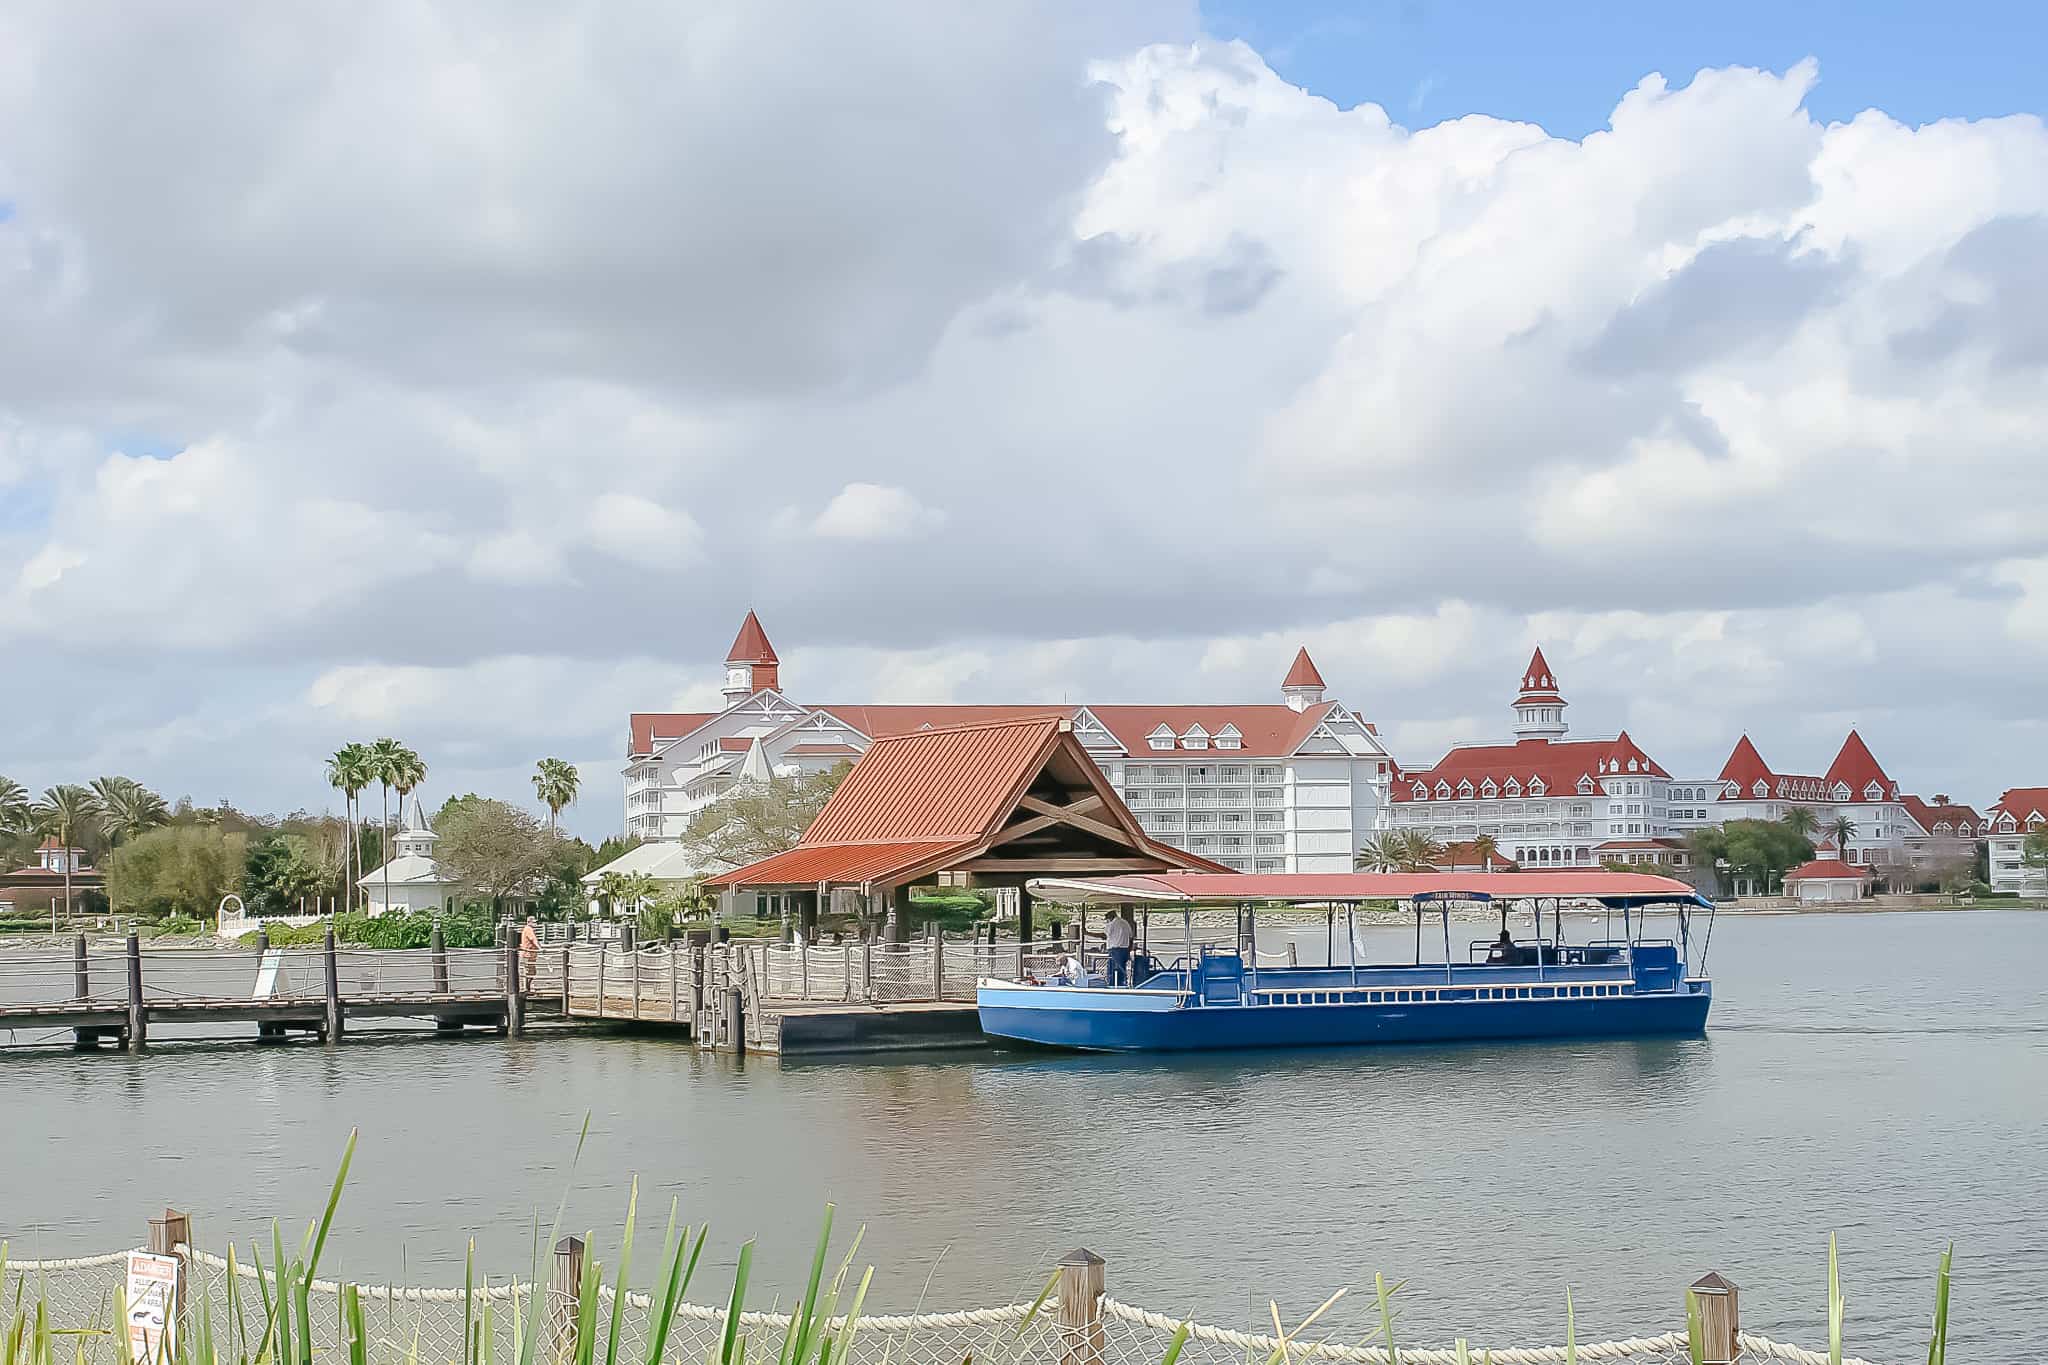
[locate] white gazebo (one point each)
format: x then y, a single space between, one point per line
416 881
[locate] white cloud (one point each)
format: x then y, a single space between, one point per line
1031 352
872 511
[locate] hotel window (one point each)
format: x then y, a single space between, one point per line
1234 772
1201 773
1266 773
1160 741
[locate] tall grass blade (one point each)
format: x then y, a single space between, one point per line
611 1346
469 1304
1937 1345
540 1248
586 1315
1052 1283
728 1351
1461 1351
1835 1306
1385 1294
1695 1327
676 1284
1571 1330
1180 1339
796 1342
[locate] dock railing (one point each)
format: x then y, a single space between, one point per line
1076 1323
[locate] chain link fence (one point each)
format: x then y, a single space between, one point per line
453 1326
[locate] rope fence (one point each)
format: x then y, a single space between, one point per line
1078 1325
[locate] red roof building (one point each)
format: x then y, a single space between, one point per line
1282 786
1827 879
2020 812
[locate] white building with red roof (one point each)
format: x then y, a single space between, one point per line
1546 800
1294 785
1855 787
1827 879
2018 813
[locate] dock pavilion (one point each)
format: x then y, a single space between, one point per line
994 804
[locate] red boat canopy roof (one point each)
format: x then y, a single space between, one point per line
1318 888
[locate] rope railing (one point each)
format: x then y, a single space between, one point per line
1103 1331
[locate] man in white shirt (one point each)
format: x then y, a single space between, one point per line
1117 936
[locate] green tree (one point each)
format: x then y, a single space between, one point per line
493 848
283 870
1420 851
1380 852
1801 821
2034 850
614 848
348 772
1841 829
555 781
127 809
66 813
1709 848
756 819
14 820
1485 848
1765 849
177 869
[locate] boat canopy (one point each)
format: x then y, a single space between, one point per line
1617 890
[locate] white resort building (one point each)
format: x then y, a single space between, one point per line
2018 813
1288 786
1548 801
415 880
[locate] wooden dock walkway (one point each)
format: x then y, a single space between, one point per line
102 996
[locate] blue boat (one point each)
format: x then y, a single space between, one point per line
1205 997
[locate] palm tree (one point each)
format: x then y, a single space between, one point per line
387 757
555 781
348 772
1485 849
410 773
13 805
1380 853
1420 852
1800 820
64 813
127 809
1841 829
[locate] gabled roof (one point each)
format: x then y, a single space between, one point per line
931 800
2022 804
1827 870
751 645
648 728
1857 768
1303 673
1928 814
1558 764
1745 766
1269 730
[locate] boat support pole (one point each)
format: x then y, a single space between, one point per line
1187 929
1351 937
1449 978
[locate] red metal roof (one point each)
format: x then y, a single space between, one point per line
919 802
1303 673
2022 804
649 727
822 751
1537 678
1318 887
880 722
1929 814
1264 730
735 744
1827 870
751 645
1858 767
1560 763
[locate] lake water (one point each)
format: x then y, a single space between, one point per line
1884 1077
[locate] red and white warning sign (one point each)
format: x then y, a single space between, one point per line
152 1307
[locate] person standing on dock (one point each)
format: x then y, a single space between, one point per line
529 949
1117 936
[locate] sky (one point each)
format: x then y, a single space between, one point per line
464 370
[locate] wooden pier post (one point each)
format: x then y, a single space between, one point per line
166 1235
565 1292
601 954
675 980
262 942
515 998
736 1018
633 966
332 966
81 980
138 1018
440 947
938 962
1080 1310
565 970
1720 1318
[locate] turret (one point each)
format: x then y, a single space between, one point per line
1539 710
750 665
1303 685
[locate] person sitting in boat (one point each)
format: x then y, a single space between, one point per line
1503 947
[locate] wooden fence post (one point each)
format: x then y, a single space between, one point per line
675 982
1720 1318
601 946
333 968
81 981
938 963
565 970
515 999
633 962
1080 1311
166 1235
138 1018
440 947
565 1292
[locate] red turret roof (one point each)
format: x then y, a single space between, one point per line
1745 765
1303 674
1856 766
751 645
1537 677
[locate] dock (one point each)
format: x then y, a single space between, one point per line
119 996
791 1000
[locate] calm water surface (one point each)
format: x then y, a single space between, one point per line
1881 1076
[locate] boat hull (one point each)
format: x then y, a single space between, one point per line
1125 1021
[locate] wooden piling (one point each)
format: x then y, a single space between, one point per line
81 979
600 977
675 980
565 1292
515 997
166 1235
735 1019
1080 1307
332 965
440 947
565 970
938 963
138 1018
1720 1318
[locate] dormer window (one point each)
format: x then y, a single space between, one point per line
1762 788
1421 791
2035 821
1161 738
1443 790
1229 737
1514 787
1873 792
1194 737
1489 789
1841 792
1536 788
1465 789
